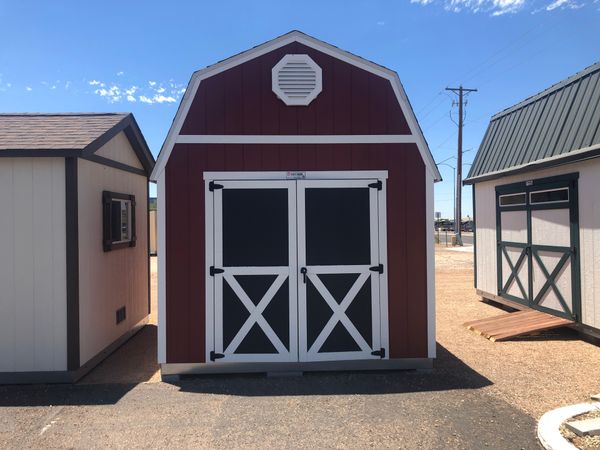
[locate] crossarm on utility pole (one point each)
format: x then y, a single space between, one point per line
458 192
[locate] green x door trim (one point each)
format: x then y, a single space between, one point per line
530 252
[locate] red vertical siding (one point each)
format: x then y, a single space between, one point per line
240 101
406 240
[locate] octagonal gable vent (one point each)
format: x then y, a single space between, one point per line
297 80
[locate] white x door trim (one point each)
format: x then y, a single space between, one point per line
282 273
365 275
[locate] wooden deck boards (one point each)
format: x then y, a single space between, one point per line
506 326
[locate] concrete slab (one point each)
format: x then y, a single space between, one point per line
587 427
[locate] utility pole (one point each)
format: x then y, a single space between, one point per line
458 193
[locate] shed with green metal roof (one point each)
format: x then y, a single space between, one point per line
536 179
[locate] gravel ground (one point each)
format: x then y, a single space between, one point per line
536 374
480 395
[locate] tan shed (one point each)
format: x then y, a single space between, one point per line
74 269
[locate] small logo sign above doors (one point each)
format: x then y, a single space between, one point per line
296 175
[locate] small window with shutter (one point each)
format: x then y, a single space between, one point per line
118 214
296 80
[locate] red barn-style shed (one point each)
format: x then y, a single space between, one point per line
295 217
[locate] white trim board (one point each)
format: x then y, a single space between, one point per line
296 139
294 36
162 270
309 175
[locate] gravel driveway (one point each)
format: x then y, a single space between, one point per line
480 395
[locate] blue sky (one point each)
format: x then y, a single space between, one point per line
139 55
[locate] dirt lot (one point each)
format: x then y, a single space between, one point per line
481 394
535 374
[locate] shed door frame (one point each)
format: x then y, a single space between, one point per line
365 277
295 175
529 253
281 273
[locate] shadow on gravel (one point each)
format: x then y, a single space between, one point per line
450 373
62 394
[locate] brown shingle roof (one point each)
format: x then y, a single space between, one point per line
37 131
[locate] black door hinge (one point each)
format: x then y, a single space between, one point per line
214 270
212 186
377 185
380 353
214 356
378 268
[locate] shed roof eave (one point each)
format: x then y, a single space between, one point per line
566 158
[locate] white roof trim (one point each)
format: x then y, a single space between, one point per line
295 139
294 36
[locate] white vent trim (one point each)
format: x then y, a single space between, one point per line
296 80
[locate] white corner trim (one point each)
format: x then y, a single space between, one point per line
311 175
294 36
161 256
430 255
295 139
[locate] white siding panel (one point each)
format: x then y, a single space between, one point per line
551 227
32 262
24 267
7 269
589 224
485 204
109 280
514 226
119 149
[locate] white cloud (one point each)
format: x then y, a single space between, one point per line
163 99
120 73
152 83
157 98
131 90
131 98
562 4
113 94
67 84
28 89
498 7
96 83
381 22
160 90
8 85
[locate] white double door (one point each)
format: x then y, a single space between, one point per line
296 271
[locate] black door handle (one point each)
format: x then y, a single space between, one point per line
303 272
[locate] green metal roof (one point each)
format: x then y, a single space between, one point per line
560 124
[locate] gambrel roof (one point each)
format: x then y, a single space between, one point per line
560 124
416 134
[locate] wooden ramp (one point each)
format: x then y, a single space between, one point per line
507 326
